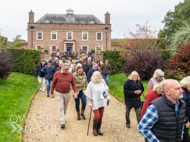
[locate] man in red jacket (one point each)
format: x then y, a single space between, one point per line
61 82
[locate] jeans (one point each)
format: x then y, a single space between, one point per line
83 99
106 77
48 82
138 114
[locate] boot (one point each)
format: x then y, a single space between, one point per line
99 126
78 115
95 128
82 114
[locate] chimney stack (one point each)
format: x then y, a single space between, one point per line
107 18
31 17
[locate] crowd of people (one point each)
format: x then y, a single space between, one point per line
164 116
87 79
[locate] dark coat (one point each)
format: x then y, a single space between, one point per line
105 70
90 72
49 72
55 65
186 99
132 99
38 70
85 68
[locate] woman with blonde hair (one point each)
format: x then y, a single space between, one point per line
185 83
97 98
158 76
152 95
133 88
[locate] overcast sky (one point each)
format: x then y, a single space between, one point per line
124 13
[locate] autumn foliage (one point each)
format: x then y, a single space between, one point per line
179 64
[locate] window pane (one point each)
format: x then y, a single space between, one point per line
84 49
39 35
38 47
53 48
85 36
99 36
69 35
54 35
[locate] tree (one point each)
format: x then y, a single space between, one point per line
182 34
18 42
3 42
144 55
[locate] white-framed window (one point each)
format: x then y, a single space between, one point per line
38 47
98 48
85 36
69 35
53 35
99 36
53 48
84 49
39 35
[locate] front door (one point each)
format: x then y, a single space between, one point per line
68 48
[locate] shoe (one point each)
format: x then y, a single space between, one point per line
128 125
62 126
47 95
78 115
43 90
82 114
99 126
95 123
40 89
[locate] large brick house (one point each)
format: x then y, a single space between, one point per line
69 31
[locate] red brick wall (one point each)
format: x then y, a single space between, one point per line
99 57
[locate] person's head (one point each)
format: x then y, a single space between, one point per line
86 56
84 62
98 62
106 61
134 76
96 77
158 74
89 59
80 60
63 59
78 65
158 88
60 64
43 62
65 68
185 82
172 90
56 59
95 66
79 70
49 62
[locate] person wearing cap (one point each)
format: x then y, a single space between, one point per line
64 60
41 75
90 72
49 71
56 63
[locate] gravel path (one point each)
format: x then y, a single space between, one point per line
42 123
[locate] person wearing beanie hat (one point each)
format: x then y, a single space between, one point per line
49 72
90 72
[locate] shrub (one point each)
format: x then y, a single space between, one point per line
5 65
92 51
25 60
46 51
179 64
115 59
145 62
166 54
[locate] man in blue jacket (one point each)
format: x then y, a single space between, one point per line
49 72
91 71
41 75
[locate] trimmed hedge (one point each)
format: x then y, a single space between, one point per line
25 60
115 59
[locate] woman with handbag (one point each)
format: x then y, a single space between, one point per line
97 98
133 89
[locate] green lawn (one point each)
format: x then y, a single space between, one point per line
116 83
16 94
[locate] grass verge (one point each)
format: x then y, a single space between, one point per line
16 94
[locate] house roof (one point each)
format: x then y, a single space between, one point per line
69 18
